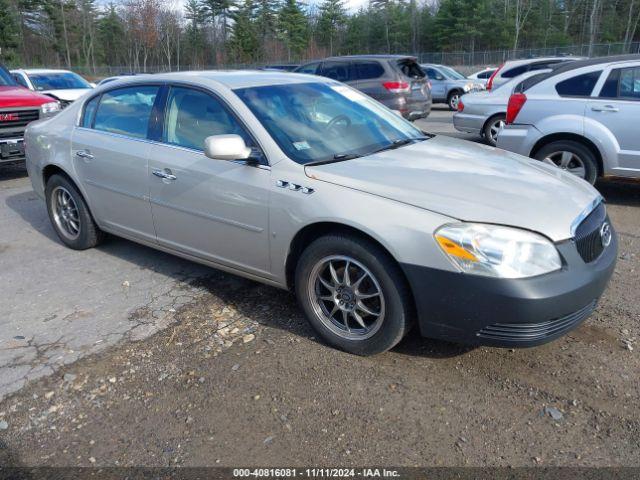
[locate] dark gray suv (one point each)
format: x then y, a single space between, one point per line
397 81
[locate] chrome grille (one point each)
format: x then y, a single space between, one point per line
17 118
587 238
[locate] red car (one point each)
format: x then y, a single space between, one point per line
18 107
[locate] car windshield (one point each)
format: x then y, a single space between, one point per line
5 78
451 73
317 122
57 81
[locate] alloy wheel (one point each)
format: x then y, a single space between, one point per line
65 213
454 100
567 161
346 297
494 130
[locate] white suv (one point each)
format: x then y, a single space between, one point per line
581 117
515 68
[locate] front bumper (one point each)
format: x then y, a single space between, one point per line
11 150
497 312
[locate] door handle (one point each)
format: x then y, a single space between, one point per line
84 154
605 108
164 174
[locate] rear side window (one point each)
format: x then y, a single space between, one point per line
411 69
310 68
578 86
630 83
486 74
610 87
336 70
514 72
193 115
433 74
368 70
126 111
89 112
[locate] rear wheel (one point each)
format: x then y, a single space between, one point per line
353 294
70 215
572 157
492 129
453 100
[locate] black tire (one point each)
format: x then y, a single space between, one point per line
89 235
486 131
584 154
398 312
453 105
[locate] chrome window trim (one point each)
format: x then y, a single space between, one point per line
169 145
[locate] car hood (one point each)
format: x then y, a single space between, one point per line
469 182
14 96
67 95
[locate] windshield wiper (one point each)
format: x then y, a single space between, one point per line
339 157
401 142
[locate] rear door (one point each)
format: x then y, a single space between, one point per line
617 107
213 209
340 70
110 149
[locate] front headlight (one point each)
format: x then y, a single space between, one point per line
496 251
49 109
467 88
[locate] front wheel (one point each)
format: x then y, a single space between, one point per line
453 100
353 294
572 157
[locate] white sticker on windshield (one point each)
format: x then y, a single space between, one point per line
351 94
301 145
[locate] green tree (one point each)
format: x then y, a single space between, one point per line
244 43
293 28
195 15
111 36
9 32
331 23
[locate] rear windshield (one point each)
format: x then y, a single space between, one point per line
410 68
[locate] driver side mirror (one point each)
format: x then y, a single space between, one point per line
226 147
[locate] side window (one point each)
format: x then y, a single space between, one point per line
89 112
433 74
369 70
192 115
311 68
20 80
610 87
336 70
578 86
543 65
630 83
514 72
486 74
126 110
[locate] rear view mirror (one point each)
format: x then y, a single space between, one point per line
226 147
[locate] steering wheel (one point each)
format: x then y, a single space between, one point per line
336 120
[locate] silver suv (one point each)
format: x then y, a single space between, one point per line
448 85
394 80
581 117
306 184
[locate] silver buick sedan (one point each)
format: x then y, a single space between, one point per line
306 184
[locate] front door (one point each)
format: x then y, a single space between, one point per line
110 150
438 83
213 209
618 108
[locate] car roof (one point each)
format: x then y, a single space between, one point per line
526 61
40 70
229 78
589 62
371 57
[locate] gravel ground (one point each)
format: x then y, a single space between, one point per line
236 377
